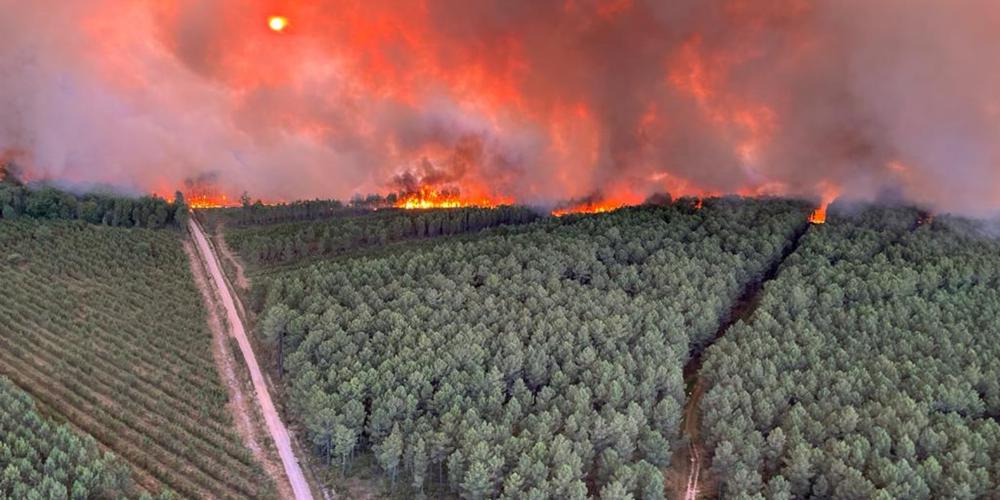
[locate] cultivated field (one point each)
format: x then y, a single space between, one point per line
105 328
40 459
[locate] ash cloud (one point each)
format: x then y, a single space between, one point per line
541 101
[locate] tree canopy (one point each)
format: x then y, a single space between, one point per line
47 202
870 370
541 363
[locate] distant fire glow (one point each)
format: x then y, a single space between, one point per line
588 208
277 23
535 102
209 201
427 198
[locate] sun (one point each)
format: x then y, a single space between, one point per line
277 23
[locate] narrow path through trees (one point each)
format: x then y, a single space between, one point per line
277 429
697 483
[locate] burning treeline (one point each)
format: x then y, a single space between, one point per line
530 101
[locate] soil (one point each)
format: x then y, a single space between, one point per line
688 475
220 243
279 434
244 416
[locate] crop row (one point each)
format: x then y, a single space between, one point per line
105 328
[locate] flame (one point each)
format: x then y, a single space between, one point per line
589 207
830 193
208 201
818 216
372 86
277 23
426 198
197 195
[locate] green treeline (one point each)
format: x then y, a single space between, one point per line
545 363
296 211
870 370
17 200
281 243
256 213
39 459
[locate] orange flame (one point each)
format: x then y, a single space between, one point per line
427 198
818 216
830 193
198 197
208 201
589 207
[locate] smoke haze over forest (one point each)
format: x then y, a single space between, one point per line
533 101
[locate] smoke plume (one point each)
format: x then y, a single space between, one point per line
534 100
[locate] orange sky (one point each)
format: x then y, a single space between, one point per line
532 101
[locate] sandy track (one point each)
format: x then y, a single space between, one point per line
242 406
691 493
277 429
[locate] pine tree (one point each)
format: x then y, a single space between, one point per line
418 463
390 452
344 441
477 483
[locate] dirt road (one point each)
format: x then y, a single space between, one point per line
691 493
691 429
274 425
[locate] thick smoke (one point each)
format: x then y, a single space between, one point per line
535 100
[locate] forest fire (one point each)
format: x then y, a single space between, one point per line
199 201
727 101
427 198
203 191
556 204
818 216
588 207
830 193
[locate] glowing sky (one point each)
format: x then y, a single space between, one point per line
533 100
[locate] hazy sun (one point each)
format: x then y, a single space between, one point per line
277 23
